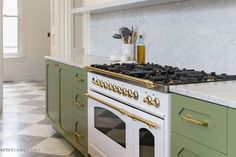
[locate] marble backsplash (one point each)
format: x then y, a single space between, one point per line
198 34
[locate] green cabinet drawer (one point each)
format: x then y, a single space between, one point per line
231 133
183 147
80 103
80 79
80 134
201 121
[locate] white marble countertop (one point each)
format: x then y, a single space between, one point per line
222 93
80 60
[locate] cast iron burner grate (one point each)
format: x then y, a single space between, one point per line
165 75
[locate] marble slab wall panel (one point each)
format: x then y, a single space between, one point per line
198 34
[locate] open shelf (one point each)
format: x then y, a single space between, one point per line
119 5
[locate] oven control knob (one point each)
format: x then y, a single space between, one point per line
102 84
156 102
147 100
115 89
110 86
130 93
135 93
120 91
125 92
106 86
98 82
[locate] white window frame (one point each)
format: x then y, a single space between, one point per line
20 53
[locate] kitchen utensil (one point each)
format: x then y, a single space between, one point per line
117 36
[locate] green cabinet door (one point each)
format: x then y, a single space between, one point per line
52 96
183 147
66 99
231 133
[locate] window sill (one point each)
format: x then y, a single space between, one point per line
13 58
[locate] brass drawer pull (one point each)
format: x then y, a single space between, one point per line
56 65
78 104
151 124
194 121
78 135
78 78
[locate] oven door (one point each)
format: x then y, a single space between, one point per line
116 129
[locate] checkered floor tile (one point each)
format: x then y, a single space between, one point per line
24 131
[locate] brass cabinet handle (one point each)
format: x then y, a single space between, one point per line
78 78
194 121
125 113
78 135
78 104
56 65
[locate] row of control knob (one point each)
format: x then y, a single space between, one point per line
152 101
117 89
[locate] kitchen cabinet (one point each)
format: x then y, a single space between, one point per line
66 104
183 147
200 121
66 99
52 96
231 132
202 129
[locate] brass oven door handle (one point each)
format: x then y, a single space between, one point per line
194 121
152 125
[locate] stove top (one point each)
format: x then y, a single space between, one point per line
164 75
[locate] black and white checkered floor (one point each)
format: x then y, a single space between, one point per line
24 132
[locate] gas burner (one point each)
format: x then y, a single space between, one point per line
165 75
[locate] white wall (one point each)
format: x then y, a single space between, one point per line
198 34
1 90
36 25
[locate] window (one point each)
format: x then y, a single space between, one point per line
11 28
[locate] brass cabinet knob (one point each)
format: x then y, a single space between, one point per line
125 92
156 102
130 93
106 86
147 100
120 91
135 93
110 87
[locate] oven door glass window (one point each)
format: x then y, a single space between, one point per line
110 125
146 143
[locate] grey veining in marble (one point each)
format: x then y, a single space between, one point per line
222 93
196 34
79 60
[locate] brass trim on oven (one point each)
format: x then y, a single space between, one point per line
148 83
152 125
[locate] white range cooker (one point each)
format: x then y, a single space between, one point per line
129 108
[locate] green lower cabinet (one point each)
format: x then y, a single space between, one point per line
183 147
200 121
66 99
231 133
66 106
52 92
